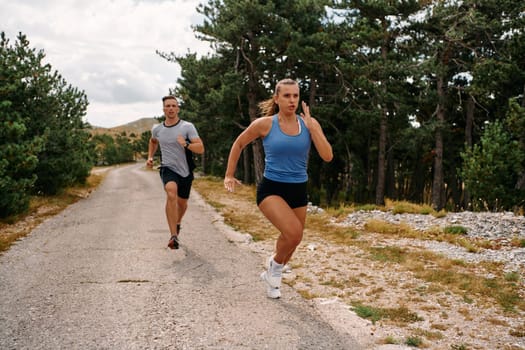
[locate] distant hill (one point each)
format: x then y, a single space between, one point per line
137 127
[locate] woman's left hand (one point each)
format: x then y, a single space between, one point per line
308 120
321 143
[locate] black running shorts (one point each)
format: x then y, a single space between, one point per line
183 183
293 193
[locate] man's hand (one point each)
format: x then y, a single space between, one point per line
181 140
149 163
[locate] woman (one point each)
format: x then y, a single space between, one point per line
281 195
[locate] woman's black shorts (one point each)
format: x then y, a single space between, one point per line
183 183
293 193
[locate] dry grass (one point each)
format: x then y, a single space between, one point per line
233 208
41 208
441 273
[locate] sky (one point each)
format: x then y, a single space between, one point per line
107 48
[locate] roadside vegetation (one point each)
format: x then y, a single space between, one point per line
484 285
239 211
18 226
46 148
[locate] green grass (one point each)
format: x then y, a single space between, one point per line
458 347
414 341
512 276
399 315
388 254
455 230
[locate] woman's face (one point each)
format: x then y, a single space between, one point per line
287 98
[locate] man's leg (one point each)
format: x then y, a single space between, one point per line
182 205
183 196
172 210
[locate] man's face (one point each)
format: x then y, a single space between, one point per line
171 108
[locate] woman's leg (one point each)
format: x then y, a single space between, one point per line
301 215
289 222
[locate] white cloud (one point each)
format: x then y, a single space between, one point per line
108 48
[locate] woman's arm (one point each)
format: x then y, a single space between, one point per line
258 128
321 144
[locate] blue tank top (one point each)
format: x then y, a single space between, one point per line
286 156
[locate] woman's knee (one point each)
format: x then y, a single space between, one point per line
294 236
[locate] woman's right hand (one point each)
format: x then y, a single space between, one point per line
230 182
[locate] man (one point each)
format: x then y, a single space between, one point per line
175 136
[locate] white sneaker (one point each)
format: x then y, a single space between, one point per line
274 273
272 276
272 292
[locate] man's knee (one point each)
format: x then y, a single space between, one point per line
182 202
171 190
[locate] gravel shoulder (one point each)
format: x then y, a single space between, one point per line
334 276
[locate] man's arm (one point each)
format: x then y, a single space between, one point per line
152 148
196 146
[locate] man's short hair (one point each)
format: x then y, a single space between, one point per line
169 97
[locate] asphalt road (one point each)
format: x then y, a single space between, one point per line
99 276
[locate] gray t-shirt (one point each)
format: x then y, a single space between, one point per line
173 154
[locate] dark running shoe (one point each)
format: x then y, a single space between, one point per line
173 243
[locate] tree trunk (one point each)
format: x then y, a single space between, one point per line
251 70
391 187
521 181
381 162
469 123
258 153
469 126
523 99
383 126
247 167
313 92
438 183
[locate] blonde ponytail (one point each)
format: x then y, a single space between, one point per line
268 107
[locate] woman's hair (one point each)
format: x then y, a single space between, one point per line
269 107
